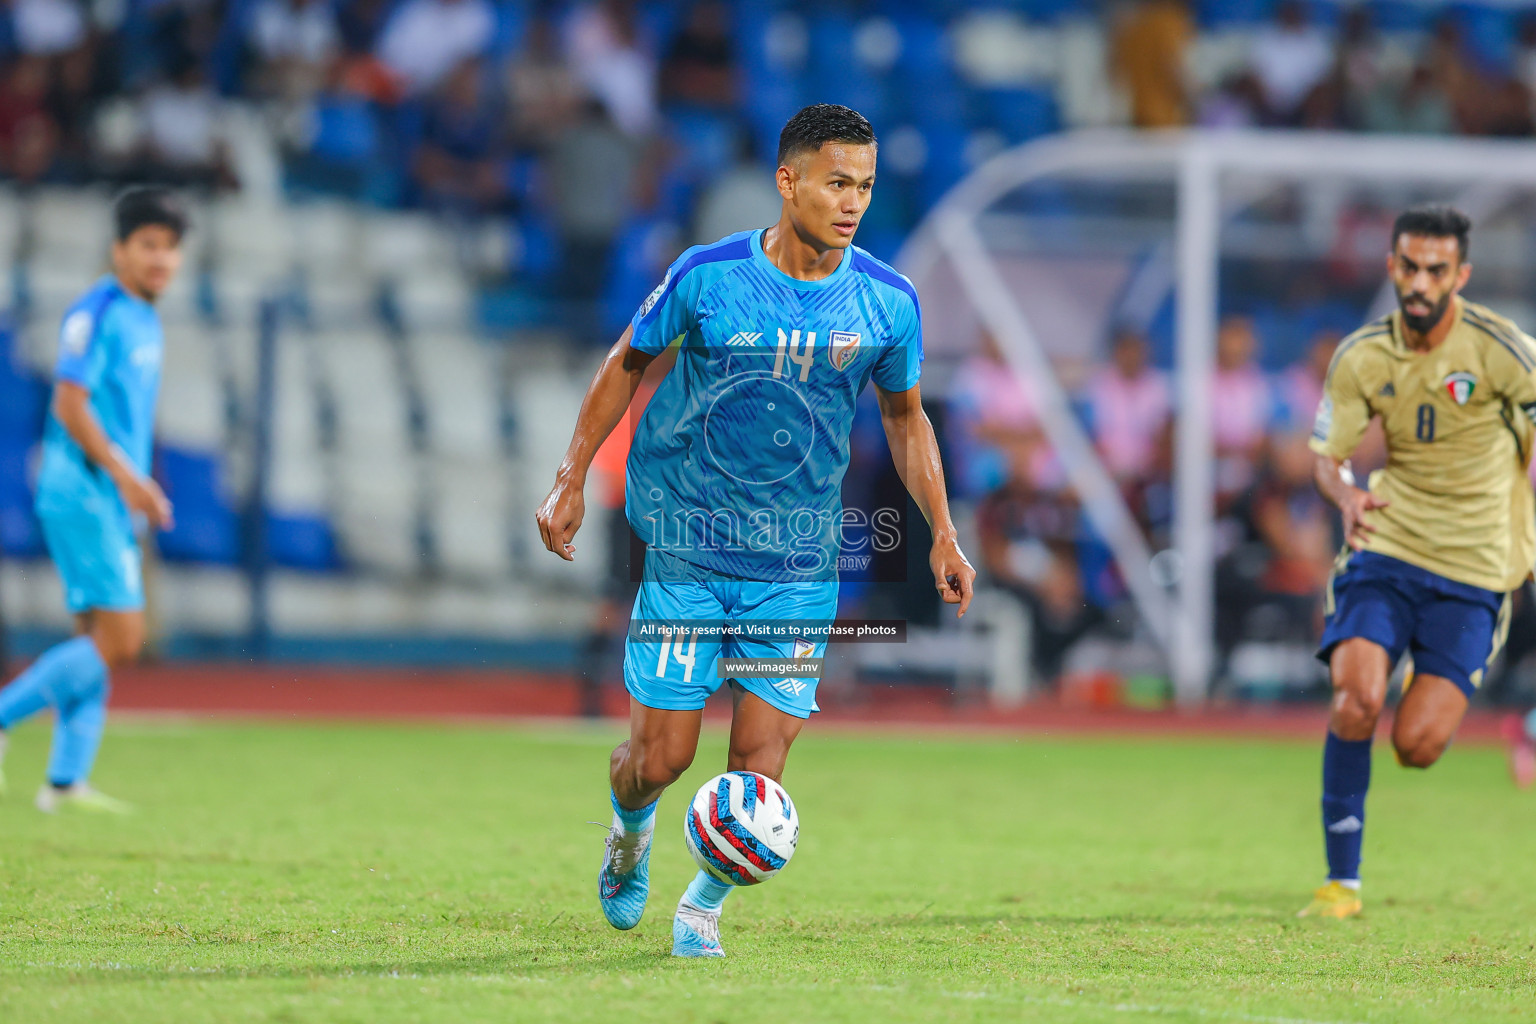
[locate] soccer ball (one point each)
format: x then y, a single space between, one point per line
741 828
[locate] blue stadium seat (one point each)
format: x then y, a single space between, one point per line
930 93
1489 35
1234 13
1020 114
20 536
207 529
634 269
705 141
1051 10
946 160
511 26
771 102
1401 15
302 542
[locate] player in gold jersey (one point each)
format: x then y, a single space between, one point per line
1438 538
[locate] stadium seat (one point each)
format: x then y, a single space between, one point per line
1020 114
10 232
191 410
20 536
640 257
924 77
72 227
459 383
374 470
302 542
206 527
1234 13
1400 15
471 508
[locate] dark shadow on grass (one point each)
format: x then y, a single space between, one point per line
512 965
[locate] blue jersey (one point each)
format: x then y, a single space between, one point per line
111 345
738 463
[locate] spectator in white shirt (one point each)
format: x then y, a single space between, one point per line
605 52
1290 58
48 28
425 39
295 41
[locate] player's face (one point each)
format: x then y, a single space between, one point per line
1426 271
148 259
828 191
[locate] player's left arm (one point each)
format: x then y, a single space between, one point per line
916 453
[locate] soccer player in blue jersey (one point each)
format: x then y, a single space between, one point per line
93 482
734 481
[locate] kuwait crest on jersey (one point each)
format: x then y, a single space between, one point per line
1460 385
845 345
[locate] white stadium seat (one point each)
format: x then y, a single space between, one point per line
458 380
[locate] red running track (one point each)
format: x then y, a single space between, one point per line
279 691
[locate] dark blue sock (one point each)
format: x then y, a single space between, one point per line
1346 778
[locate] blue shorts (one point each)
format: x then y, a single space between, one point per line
679 673
1452 629
98 560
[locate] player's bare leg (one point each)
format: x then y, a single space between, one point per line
1359 669
660 748
761 736
1427 718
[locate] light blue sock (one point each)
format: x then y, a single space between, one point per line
76 738
66 673
637 820
706 893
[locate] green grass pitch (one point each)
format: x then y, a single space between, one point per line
446 873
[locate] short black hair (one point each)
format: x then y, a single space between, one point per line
819 124
144 205
1435 221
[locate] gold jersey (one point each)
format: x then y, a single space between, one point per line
1458 422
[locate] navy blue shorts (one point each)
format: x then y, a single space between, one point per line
1452 629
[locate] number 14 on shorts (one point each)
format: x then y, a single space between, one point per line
675 648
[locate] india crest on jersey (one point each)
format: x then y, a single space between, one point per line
845 345
1460 385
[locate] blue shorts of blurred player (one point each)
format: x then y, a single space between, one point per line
1451 629
679 671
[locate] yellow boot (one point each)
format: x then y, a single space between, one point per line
1333 900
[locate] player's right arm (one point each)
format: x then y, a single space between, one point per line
666 314
82 362
72 408
607 398
1342 416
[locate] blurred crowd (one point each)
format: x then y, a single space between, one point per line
611 133
1276 537
1462 70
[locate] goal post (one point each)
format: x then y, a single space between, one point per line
972 257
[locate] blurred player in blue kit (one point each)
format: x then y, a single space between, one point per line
734 481
93 483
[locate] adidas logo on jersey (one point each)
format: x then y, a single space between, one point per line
1344 826
743 338
1387 391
